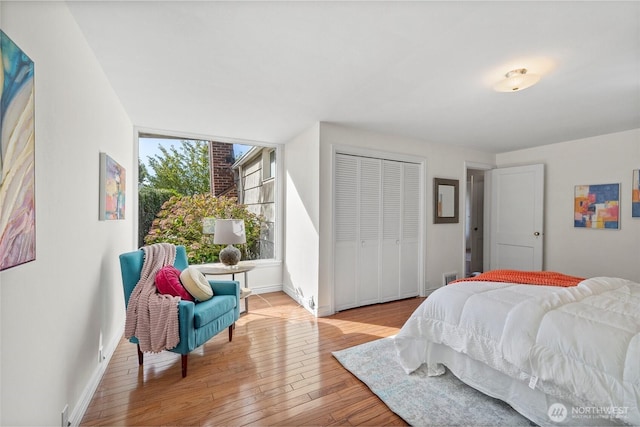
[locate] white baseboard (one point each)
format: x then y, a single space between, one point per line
265 289
325 311
87 394
296 297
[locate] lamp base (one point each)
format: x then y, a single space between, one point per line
230 255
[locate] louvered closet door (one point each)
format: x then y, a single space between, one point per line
369 220
391 221
410 231
377 230
346 231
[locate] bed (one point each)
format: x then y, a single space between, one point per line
563 352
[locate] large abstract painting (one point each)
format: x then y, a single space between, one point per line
635 194
17 156
597 206
112 188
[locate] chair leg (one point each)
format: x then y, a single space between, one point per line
231 331
185 359
140 356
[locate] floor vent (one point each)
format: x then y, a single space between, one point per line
449 277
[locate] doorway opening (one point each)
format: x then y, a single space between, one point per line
474 222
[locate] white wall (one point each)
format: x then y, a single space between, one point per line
302 216
598 160
55 310
445 242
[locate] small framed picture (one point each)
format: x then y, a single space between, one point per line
112 188
597 206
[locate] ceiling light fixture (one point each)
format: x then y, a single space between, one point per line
517 80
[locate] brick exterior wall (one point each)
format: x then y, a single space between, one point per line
223 180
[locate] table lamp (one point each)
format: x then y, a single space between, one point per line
229 232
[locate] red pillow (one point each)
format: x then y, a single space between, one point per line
168 282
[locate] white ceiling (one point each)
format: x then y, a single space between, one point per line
266 71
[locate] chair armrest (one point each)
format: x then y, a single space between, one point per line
186 309
187 333
225 287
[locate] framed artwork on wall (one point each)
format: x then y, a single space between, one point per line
597 206
17 156
112 188
635 194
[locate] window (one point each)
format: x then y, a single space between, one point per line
268 164
221 168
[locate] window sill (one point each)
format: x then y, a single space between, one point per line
265 263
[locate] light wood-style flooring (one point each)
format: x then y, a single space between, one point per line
278 370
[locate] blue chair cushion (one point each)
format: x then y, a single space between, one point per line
208 311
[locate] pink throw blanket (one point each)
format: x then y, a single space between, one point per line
153 317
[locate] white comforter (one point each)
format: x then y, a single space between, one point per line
581 343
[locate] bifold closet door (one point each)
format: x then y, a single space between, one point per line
345 231
410 225
377 230
400 230
391 229
369 225
357 231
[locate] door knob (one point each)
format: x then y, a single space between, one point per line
537 233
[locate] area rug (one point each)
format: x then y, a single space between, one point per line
422 400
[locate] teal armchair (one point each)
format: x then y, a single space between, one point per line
198 322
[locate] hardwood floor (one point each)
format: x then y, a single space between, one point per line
278 370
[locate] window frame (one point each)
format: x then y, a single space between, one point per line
268 159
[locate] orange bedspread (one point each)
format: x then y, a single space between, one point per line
546 278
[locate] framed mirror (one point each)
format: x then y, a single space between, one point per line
445 201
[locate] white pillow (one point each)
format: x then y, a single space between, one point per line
196 284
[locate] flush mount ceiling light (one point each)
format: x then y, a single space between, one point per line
517 80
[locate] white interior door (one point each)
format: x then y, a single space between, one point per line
477 222
517 195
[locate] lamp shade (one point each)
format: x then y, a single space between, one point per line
229 232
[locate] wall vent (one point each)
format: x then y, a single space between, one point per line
449 277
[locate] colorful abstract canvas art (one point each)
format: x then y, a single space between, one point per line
635 194
112 188
17 156
597 206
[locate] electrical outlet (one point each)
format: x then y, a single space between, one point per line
64 419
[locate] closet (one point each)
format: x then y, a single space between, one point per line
377 233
